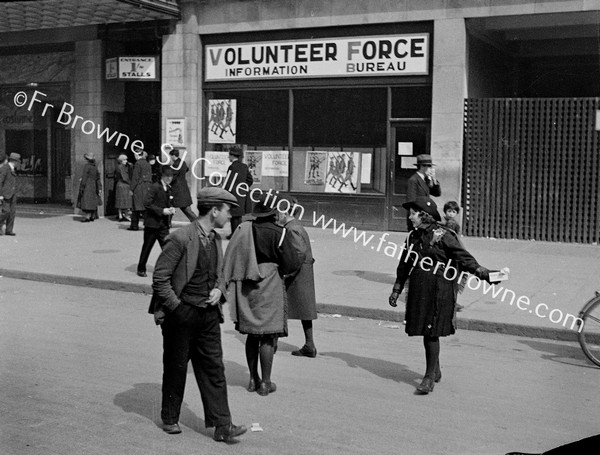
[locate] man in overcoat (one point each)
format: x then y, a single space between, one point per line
140 185
422 183
180 191
189 290
8 193
239 173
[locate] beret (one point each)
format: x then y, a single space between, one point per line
216 195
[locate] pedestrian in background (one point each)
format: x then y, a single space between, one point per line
430 306
90 189
156 168
256 260
8 192
122 188
188 290
140 185
300 286
422 183
451 211
157 219
182 198
240 173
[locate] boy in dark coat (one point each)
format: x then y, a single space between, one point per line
157 220
182 198
240 174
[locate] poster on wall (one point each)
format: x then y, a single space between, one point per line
222 121
315 168
275 163
216 163
254 161
176 132
342 172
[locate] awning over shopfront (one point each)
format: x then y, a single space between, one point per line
51 14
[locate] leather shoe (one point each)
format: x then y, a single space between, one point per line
305 351
171 428
266 388
438 375
225 433
130 228
252 385
10 233
426 386
142 274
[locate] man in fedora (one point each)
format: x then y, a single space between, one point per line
189 290
240 174
8 192
422 183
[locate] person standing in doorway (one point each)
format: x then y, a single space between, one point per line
8 193
189 290
180 191
90 189
422 183
122 188
140 185
157 219
240 174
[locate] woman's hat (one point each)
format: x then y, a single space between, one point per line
89 156
150 157
424 204
261 209
424 160
14 157
122 157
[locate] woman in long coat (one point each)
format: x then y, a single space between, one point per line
122 188
300 287
435 260
140 185
90 189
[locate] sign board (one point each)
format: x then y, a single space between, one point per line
176 132
133 68
385 55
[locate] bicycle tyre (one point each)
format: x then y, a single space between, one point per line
589 336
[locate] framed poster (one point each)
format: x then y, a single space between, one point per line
342 172
222 116
275 163
315 168
254 161
216 163
176 132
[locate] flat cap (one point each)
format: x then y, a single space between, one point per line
216 195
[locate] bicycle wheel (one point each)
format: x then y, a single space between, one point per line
589 336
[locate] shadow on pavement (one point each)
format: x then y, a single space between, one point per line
382 368
560 353
144 399
377 277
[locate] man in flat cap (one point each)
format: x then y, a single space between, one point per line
422 183
8 193
188 293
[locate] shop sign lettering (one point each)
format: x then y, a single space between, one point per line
392 55
132 68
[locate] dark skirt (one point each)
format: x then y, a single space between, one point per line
430 306
122 196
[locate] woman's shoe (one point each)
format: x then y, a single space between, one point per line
305 351
86 220
438 375
252 385
426 386
266 388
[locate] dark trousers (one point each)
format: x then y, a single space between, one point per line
135 218
192 333
8 211
151 235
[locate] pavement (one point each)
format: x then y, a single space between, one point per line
80 374
351 279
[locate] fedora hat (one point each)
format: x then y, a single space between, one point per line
215 195
236 150
14 157
424 160
261 209
424 204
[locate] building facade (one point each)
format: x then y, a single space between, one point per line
331 102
